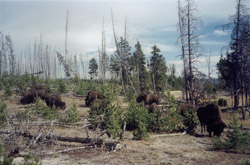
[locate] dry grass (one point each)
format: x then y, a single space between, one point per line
184 149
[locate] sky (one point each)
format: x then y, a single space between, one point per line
151 22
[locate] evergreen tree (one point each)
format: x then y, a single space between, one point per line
120 63
93 67
158 70
139 62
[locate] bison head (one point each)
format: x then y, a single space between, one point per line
219 128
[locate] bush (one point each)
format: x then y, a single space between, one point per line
71 115
222 102
81 88
1 150
3 114
141 121
237 140
114 120
171 120
104 115
62 88
7 90
190 120
31 159
6 160
36 110
129 96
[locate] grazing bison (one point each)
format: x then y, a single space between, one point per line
148 98
142 97
210 116
201 113
30 96
92 95
55 100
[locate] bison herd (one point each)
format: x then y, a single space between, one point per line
37 91
209 115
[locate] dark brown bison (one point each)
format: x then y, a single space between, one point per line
210 116
92 95
142 97
148 98
55 100
31 94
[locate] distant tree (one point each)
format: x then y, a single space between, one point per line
158 70
93 67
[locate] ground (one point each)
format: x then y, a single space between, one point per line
158 149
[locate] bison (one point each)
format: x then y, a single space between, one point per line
31 94
142 97
210 116
148 98
55 100
92 95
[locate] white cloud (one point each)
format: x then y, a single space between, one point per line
220 43
221 33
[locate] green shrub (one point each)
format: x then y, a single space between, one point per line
129 96
141 121
3 113
105 115
190 120
237 140
47 85
137 119
81 88
222 102
36 110
171 120
1 150
7 90
245 162
71 115
6 160
31 159
114 120
62 88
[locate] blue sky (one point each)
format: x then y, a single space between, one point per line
152 22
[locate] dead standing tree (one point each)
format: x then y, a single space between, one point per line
188 27
233 68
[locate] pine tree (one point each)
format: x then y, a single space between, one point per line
158 70
93 67
139 62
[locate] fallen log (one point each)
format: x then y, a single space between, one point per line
165 135
97 141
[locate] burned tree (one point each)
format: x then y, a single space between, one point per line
189 37
234 68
